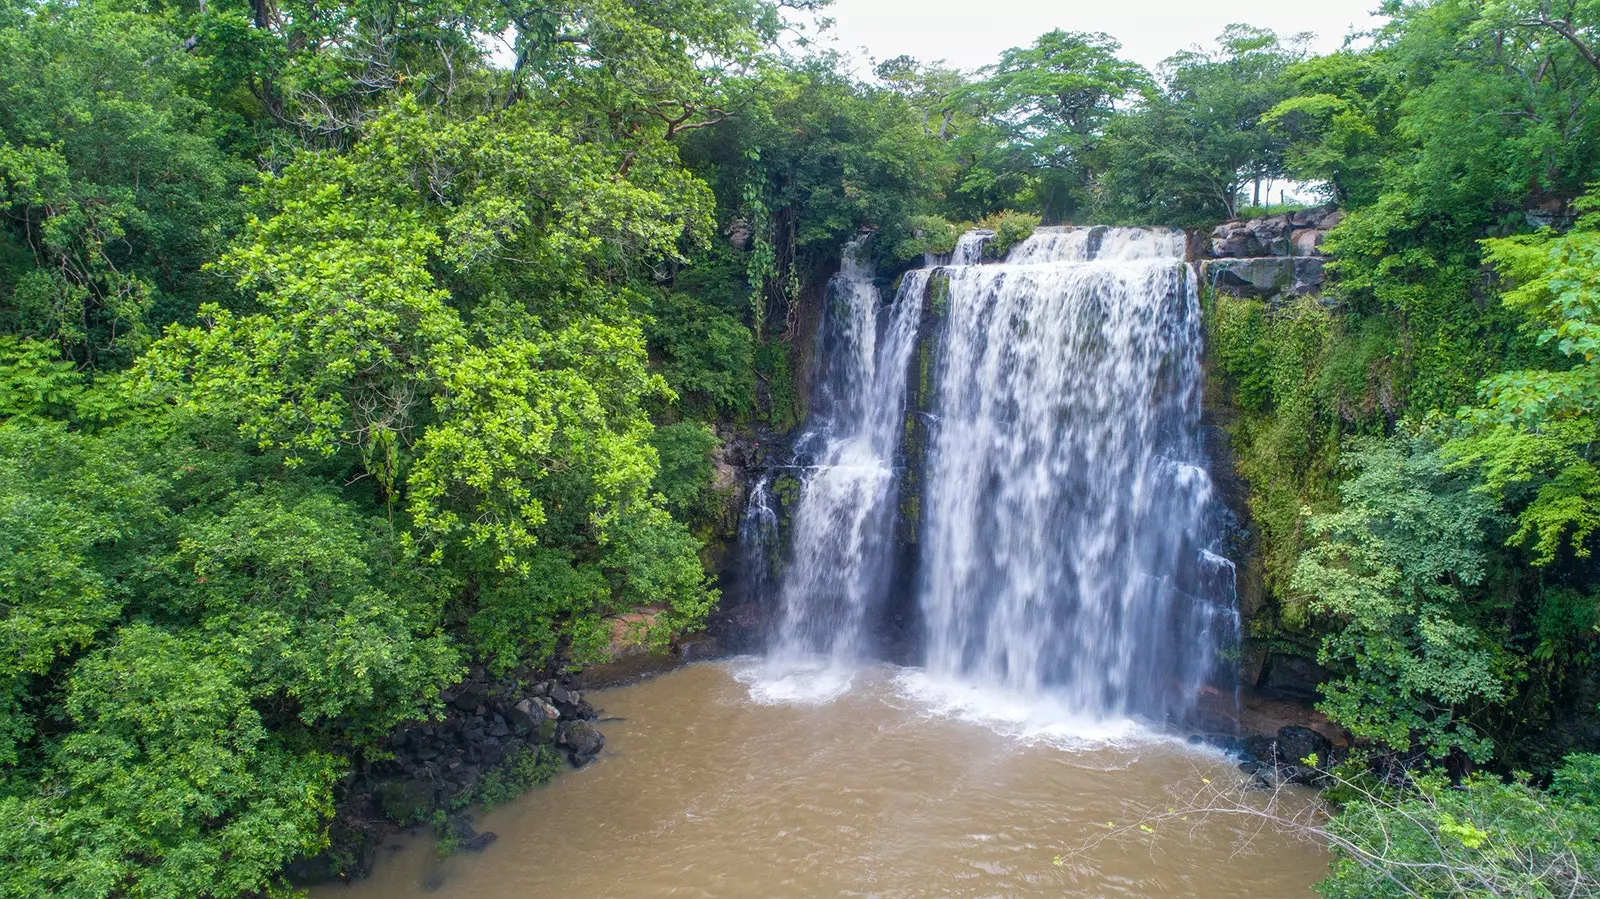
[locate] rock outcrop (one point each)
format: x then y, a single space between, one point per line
1273 257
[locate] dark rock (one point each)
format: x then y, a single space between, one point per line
1271 235
583 742
1260 749
405 801
461 828
433 881
1315 217
469 697
1308 276
1297 743
498 728
492 754
1294 677
480 842
561 695
1271 276
1233 239
532 712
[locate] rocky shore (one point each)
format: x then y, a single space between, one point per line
495 738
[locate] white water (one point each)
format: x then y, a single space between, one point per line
1065 558
1065 500
841 526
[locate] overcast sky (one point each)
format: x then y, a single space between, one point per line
972 33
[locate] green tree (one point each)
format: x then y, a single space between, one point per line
1396 569
114 181
1044 109
1187 154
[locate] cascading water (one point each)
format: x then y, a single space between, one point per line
1063 534
1065 502
841 525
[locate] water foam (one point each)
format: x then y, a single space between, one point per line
793 681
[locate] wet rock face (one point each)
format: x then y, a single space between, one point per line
581 741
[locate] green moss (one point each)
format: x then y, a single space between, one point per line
911 512
775 366
786 488
939 294
924 375
525 769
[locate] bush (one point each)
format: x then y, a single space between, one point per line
1010 228
930 234
1482 838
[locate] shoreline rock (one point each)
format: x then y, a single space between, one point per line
481 742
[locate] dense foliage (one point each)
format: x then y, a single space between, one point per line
344 348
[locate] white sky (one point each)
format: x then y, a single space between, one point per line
972 33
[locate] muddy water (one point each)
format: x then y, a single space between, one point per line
716 782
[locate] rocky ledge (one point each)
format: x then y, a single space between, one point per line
1274 256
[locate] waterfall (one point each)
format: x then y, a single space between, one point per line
1066 499
1062 534
841 524
760 540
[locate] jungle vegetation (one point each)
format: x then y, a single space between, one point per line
343 347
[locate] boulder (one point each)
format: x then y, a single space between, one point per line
1297 743
529 713
1233 239
583 742
480 842
468 697
1270 235
1316 216
1307 242
1293 677
406 801
1308 277
1270 276
1249 277
1258 749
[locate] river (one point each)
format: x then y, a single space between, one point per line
719 782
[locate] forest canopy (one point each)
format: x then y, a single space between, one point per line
346 348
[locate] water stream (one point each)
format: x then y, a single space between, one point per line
841 526
1067 500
